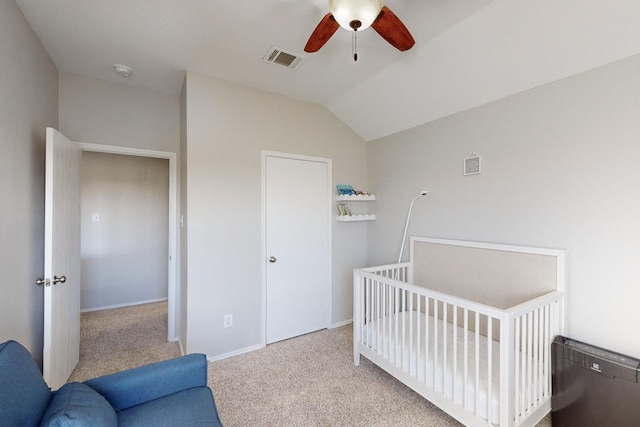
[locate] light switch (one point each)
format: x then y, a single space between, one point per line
95 217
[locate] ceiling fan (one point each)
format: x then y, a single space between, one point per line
357 15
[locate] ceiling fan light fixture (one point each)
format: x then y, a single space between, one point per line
355 15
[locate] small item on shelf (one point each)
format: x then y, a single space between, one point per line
343 210
347 190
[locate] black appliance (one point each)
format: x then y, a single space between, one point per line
593 387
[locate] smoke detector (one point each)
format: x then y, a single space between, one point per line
281 57
123 70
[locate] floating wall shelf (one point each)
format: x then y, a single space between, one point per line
351 218
355 198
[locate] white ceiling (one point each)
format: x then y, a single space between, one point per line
467 52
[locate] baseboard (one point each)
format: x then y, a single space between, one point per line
259 346
128 304
235 353
343 323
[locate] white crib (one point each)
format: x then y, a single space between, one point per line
484 359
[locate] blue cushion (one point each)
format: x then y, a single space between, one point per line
132 387
191 407
24 395
77 404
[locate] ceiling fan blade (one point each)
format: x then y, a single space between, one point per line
322 33
391 28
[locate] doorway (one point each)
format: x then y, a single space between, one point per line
297 245
124 223
172 262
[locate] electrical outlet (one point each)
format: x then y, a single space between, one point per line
228 320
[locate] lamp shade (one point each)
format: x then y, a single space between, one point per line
347 11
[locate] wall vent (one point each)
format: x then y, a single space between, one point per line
281 57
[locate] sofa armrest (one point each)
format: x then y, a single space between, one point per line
146 383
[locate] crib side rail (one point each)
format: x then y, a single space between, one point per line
398 279
532 327
398 272
445 343
437 340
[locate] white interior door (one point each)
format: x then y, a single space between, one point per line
61 259
298 264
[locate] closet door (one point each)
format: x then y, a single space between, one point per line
297 235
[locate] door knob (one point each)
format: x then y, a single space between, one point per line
42 281
272 259
60 279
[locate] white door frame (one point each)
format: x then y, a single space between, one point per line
266 154
173 294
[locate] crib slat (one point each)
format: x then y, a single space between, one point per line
536 358
489 365
528 399
547 351
454 392
390 319
465 384
435 343
412 327
403 347
427 316
445 346
418 336
394 327
477 383
517 369
375 302
367 311
523 366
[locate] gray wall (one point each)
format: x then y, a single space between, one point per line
227 127
28 104
559 170
101 112
124 253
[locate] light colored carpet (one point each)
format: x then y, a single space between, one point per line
308 381
123 338
312 381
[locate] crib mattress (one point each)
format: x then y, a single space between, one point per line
431 370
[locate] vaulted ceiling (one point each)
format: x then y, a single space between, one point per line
467 52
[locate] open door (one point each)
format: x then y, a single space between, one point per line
61 280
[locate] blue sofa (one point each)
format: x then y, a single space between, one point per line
170 393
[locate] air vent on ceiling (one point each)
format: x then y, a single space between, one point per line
278 56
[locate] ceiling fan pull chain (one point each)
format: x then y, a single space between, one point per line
353 46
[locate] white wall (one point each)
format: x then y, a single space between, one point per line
559 170
100 112
28 104
227 127
124 250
